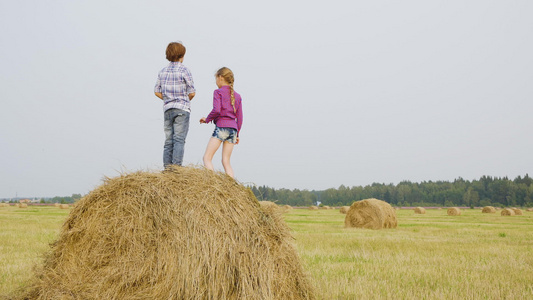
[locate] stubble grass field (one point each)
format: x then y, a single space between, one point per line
430 256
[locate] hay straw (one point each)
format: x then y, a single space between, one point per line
371 214
488 210
344 209
188 233
419 210
507 212
517 211
454 211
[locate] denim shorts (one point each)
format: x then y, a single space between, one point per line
225 134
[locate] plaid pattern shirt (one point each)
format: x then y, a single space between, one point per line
175 83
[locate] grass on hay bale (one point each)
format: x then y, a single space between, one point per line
507 212
188 233
419 210
371 214
454 211
344 209
517 211
488 210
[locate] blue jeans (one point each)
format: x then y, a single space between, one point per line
176 129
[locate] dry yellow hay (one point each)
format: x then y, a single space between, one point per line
419 210
22 205
371 214
188 233
344 209
517 211
454 211
312 207
64 206
488 210
507 212
57 204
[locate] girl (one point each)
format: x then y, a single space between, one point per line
227 116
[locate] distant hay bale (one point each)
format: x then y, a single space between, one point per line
64 206
4 205
517 212
325 207
312 207
419 210
454 211
344 209
188 233
488 210
22 205
287 207
529 209
371 214
57 204
507 212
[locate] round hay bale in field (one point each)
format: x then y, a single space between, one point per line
4 205
22 205
325 207
488 210
518 212
507 212
312 207
371 214
419 210
57 204
64 206
344 209
187 233
287 208
529 209
454 211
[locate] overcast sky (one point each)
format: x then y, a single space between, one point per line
334 92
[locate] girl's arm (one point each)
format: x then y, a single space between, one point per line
239 117
217 105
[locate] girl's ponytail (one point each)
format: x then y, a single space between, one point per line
232 94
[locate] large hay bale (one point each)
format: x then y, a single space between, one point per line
312 207
344 209
507 212
488 210
419 210
371 214
517 211
187 233
454 211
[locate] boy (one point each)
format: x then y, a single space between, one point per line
175 87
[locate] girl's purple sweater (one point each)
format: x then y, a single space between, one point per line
222 113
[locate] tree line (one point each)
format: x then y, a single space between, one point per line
487 190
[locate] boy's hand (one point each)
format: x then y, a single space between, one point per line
202 121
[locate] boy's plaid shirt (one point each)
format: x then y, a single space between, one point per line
175 83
